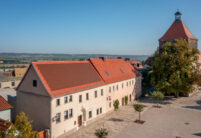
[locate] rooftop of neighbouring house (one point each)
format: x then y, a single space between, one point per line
4 104
4 125
137 64
64 77
114 70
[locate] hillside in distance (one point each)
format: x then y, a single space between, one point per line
26 58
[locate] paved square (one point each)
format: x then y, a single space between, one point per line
181 117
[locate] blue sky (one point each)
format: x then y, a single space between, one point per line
91 26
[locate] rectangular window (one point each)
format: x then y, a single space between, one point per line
0 85
97 111
70 112
110 104
90 114
132 82
87 96
34 83
66 99
117 87
58 117
13 83
122 85
70 98
101 110
113 88
80 98
65 114
110 89
127 84
95 94
101 92
58 102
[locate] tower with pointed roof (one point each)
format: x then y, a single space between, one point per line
178 30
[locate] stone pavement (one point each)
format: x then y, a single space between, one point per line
177 117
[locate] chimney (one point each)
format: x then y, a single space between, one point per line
127 59
103 58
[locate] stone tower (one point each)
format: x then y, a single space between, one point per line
178 30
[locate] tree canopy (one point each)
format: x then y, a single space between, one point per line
175 68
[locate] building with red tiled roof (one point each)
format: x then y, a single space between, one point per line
5 109
4 125
121 77
178 30
63 95
137 64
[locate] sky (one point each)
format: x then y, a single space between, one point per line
123 27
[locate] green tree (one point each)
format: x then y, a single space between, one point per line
126 100
23 125
116 104
175 68
157 96
101 133
139 108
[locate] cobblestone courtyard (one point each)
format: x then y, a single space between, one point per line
181 117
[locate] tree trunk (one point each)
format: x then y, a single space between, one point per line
176 95
139 116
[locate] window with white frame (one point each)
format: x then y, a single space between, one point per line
58 102
80 98
90 114
101 110
101 92
87 96
95 94
70 98
70 112
65 114
58 117
117 87
122 85
66 99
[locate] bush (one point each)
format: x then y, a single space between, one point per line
116 104
101 133
157 96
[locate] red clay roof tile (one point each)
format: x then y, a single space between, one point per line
178 30
4 125
64 77
113 70
4 104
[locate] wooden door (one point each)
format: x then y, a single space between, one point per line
80 120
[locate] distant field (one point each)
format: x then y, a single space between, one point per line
26 58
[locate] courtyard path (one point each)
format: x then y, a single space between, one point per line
177 117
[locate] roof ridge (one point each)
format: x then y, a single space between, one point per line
186 31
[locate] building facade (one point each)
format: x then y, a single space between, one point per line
64 95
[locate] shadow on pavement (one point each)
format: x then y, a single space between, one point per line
166 100
197 107
116 120
197 134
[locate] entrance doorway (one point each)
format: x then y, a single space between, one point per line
79 120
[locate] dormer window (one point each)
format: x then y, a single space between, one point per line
107 73
34 83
